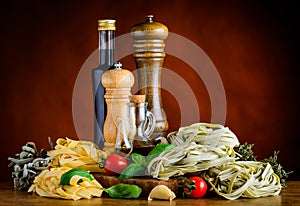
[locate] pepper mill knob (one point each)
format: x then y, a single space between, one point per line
149 55
118 66
149 18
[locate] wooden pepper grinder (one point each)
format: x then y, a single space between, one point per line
117 126
149 55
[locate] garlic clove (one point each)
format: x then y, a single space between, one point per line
161 192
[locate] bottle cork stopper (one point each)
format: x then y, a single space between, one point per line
138 99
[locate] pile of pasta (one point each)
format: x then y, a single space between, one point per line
209 148
198 147
249 179
77 154
68 154
47 184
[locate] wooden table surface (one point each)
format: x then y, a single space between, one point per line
288 196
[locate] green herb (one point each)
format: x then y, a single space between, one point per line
123 191
132 170
138 159
65 178
155 152
245 153
278 168
117 191
140 162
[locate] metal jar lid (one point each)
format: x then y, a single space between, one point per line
106 24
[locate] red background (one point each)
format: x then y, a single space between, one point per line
253 45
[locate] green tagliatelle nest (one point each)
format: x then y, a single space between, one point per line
209 148
243 179
198 148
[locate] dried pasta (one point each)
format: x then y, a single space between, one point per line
243 179
198 148
212 135
47 184
209 148
76 154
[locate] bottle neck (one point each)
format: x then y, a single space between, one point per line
106 47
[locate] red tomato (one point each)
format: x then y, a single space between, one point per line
115 164
199 189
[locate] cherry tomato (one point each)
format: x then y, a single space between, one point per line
199 187
115 164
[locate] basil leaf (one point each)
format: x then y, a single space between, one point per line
160 148
157 150
132 170
138 167
65 178
124 191
138 158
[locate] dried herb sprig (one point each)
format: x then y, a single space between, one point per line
28 164
245 153
278 168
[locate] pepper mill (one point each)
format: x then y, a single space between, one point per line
117 126
149 55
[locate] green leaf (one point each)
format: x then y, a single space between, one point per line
157 150
139 165
132 170
138 159
124 191
65 178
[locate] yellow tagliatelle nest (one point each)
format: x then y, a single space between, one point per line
76 154
47 184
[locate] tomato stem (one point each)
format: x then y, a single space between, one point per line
189 185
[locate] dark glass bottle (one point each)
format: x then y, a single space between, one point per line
106 28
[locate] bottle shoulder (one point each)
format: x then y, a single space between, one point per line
102 68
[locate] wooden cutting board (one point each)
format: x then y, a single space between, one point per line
145 183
